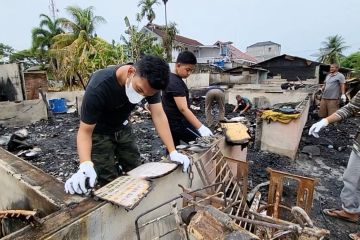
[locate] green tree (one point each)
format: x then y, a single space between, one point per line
29 57
168 40
352 61
139 43
332 49
75 48
81 20
42 36
5 52
147 10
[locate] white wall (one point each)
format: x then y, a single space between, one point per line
12 71
198 80
273 96
69 96
21 114
262 53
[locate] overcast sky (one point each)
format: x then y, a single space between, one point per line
299 26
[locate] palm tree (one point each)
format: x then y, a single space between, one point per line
83 19
168 40
42 37
138 42
74 47
147 10
332 49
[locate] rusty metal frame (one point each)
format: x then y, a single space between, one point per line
139 226
305 191
213 167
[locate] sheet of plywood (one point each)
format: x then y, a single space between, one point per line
126 191
152 170
236 132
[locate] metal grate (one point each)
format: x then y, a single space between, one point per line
124 191
213 168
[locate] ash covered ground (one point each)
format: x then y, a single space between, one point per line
58 157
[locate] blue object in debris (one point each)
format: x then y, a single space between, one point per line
58 105
220 63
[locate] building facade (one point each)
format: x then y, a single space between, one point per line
263 51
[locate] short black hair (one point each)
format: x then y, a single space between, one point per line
155 70
186 57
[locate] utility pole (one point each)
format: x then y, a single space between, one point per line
165 1
53 9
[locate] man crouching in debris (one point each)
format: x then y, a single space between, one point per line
184 124
105 142
349 196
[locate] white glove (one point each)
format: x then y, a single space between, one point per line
343 98
204 131
316 127
77 181
180 158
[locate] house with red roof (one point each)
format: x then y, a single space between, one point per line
223 54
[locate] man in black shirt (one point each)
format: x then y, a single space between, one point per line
184 124
106 145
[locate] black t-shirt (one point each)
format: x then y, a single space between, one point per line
105 102
176 88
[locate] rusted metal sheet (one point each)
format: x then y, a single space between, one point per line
124 191
305 191
28 215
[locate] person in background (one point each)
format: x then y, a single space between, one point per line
105 141
350 194
243 104
333 90
184 125
214 95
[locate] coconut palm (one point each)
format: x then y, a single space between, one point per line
83 20
75 48
147 10
42 36
168 40
332 49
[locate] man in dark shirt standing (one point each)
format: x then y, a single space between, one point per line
105 142
184 125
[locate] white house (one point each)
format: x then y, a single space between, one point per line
180 41
221 53
263 51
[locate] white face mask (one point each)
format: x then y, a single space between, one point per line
133 96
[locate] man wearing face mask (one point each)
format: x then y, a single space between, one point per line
105 142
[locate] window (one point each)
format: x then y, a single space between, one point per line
269 49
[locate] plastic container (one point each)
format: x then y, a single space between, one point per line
58 105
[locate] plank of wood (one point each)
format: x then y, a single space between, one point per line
236 133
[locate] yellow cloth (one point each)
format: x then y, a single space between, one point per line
278 116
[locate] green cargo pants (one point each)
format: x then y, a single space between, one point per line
111 151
